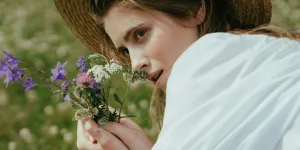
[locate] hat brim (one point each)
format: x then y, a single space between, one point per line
76 15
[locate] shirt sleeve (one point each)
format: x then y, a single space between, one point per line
232 92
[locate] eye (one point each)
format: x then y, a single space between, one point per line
139 34
125 51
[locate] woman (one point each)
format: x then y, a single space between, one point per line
240 93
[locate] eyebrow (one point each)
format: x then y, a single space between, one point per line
128 32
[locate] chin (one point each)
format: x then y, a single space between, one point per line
162 81
163 88
162 84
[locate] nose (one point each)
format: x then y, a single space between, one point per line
139 61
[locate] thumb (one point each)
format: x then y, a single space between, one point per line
105 138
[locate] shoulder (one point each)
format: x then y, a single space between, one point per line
215 49
227 41
229 44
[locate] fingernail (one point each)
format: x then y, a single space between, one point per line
84 120
95 142
91 138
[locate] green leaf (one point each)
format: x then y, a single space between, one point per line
88 90
97 59
74 119
117 98
102 58
81 93
76 107
102 124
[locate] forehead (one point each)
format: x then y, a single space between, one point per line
120 14
120 19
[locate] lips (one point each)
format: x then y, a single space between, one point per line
155 76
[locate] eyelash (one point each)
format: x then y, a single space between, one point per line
135 37
136 34
125 51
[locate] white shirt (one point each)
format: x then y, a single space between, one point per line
234 92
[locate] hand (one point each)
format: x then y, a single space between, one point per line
86 142
119 136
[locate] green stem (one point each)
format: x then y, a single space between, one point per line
128 116
123 100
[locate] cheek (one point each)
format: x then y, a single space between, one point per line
161 47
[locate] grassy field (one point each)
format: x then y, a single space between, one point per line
35 33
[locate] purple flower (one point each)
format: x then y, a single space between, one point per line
96 86
58 73
3 68
64 92
81 64
2 73
9 67
66 97
65 85
8 56
28 84
13 75
11 60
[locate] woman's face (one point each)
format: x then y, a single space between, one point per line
152 40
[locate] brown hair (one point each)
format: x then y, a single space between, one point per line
239 14
242 16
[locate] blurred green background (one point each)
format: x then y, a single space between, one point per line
34 32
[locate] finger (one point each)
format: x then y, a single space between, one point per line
89 146
130 124
127 121
103 137
81 133
127 135
93 140
83 142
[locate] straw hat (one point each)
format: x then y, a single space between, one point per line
75 13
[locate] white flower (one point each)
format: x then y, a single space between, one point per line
99 73
38 63
20 115
27 44
12 145
49 110
64 106
113 67
68 137
63 131
82 113
62 51
3 98
135 85
53 130
31 95
127 77
131 107
26 134
143 104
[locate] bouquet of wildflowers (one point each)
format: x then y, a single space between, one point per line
89 92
